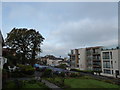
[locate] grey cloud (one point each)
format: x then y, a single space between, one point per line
85 32
65 25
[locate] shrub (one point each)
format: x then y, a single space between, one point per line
32 81
24 69
62 66
62 74
77 70
74 75
47 73
84 71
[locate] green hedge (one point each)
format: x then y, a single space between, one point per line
23 71
26 69
85 71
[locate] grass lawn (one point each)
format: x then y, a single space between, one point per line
88 83
82 82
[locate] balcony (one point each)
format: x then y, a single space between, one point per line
69 54
96 66
89 52
106 57
96 59
89 64
97 52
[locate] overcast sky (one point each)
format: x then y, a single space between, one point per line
65 25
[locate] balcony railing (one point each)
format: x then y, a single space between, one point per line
97 66
96 59
97 52
106 57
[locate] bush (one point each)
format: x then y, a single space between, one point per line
16 74
77 70
74 75
84 71
23 70
47 73
27 69
62 66
62 74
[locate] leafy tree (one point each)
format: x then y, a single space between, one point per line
25 42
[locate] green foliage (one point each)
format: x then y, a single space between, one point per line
62 66
85 71
10 84
22 84
74 75
26 69
82 82
47 73
88 83
62 74
26 43
23 71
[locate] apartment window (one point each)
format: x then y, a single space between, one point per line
88 52
96 63
107 71
106 64
71 51
106 55
96 50
93 50
111 55
98 57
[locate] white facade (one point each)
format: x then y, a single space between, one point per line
82 58
110 62
53 62
86 58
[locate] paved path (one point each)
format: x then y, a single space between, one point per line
51 85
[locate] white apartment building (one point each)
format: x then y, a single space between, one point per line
82 59
110 62
86 58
